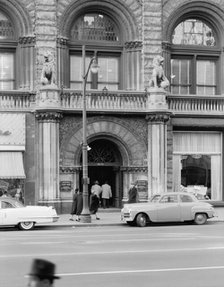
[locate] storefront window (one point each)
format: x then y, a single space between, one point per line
13 187
196 173
197 163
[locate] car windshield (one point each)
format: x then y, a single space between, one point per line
155 198
18 204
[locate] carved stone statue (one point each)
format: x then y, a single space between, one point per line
158 80
48 70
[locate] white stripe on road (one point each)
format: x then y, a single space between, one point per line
113 252
143 271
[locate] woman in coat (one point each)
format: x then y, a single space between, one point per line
74 204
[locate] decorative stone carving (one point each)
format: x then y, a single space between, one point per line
158 80
134 169
49 117
62 40
70 169
133 45
27 40
48 70
48 97
160 117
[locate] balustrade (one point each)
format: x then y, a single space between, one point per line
194 104
116 101
105 101
16 100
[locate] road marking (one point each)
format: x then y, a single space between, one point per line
143 271
114 252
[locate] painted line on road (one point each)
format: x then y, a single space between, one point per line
114 252
143 271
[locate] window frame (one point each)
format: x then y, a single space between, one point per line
91 51
201 53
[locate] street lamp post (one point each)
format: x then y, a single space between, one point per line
85 215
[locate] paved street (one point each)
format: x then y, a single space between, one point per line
160 255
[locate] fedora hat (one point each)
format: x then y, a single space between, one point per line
43 269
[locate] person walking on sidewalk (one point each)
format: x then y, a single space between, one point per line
77 204
96 191
133 193
106 194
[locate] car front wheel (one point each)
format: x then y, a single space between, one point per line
26 225
141 220
200 218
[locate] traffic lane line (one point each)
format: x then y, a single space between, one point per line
212 248
200 268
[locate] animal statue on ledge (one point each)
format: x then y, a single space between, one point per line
48 70
158 80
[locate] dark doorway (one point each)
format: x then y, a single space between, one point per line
104 161
103 173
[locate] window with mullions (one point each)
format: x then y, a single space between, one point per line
101 33
193 76
194 59
107 76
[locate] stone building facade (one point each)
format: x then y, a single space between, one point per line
164 139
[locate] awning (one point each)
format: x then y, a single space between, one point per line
11 165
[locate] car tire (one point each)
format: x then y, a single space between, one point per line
26 225
141 220
200 218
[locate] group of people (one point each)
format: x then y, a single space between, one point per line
98 193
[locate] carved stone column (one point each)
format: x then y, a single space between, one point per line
48 157
157 117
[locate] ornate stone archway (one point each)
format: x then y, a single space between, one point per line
132 149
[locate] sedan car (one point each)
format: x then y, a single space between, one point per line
14 213
168 207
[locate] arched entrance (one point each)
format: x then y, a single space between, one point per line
104 161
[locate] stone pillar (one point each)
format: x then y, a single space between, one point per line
158 115
48 117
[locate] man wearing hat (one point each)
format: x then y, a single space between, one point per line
42 273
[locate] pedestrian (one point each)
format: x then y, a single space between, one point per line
96 191
42 274
133 193
106 194
74 204
79 204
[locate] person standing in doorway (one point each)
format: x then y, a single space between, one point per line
133 193
96 191
106 194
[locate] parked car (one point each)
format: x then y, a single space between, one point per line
168 207
14 213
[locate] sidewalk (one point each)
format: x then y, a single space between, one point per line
110 217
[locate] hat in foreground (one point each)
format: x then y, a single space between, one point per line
43 269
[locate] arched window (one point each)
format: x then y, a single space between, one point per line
194 59
94 27
7 56
100 35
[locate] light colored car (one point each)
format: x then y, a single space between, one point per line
14 213
168 207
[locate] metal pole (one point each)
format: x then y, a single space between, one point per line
85 215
